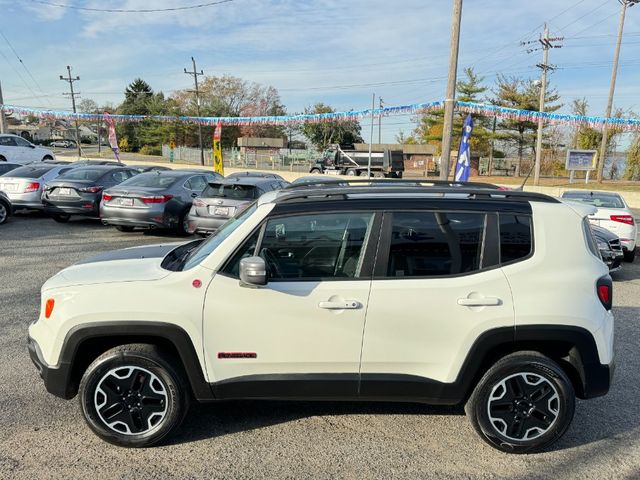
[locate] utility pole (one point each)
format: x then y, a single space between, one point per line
545 44
195 74
2 128
373 106
381 103
449 101
493 137
73 94
612 86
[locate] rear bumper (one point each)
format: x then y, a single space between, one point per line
84 207
31 205
136 217
598 379
56 379
205 224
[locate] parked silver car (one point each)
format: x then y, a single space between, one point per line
24 185
222 200
159 199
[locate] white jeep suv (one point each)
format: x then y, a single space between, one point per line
442 295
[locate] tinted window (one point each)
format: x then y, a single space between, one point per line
120 176
21 142
234 191
315 245
597 199
152 180
7 167
30 172
515 237
7 142
435 243
196 183
83 174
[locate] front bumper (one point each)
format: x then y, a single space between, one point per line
57 379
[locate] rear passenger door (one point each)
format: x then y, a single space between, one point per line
437 287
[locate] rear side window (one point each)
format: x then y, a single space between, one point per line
435 243
515 237
233 191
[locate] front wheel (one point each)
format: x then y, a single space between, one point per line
315 171
5 212
523 404
630 256
46 158
131 396
61 217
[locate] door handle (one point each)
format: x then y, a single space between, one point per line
344 305
480 302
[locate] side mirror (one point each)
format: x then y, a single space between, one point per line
253 271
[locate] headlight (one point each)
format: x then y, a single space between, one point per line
602 245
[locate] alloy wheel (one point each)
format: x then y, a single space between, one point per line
523 406
131 400
3 213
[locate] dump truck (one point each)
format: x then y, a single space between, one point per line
345 160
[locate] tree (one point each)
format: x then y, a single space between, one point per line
87 105
632 168
141 100
322 134
431 125
521 94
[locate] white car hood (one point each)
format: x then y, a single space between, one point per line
138 264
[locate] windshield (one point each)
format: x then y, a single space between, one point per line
30 172
150 180
235 191
209 245
83 174
600 200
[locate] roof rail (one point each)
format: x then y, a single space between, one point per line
372 182
472 193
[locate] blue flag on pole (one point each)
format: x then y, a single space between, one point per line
463 167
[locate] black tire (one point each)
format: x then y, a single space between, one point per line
2 159
378 175
151 377
47 157
315 171
525 406
5 212
61 217
352 172
630 256
181 227
124 228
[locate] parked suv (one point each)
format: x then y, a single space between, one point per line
14 148
440 295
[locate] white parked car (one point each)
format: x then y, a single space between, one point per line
612 213
14 148
440 295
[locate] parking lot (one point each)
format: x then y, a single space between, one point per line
42 436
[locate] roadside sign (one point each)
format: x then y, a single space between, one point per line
581 159
172 146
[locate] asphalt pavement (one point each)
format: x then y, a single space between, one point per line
42 436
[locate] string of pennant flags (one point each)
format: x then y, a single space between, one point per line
625 124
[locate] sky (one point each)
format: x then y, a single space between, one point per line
333 51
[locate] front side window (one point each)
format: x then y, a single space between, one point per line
315 246
515 237
21 142
7 142
425 244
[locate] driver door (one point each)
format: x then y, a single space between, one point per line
301 334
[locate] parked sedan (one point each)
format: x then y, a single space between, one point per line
14 148
609 246
79 191
224 199
24 185
6 208
62 144
254 173
612 213
160 199
148 168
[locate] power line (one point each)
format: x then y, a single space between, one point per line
584 15
123 10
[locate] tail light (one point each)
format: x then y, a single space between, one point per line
199 203
628 219
106 197
157 199
94 189
32 187
604 288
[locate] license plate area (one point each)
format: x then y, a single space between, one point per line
63 191
9 187
126 202
220 211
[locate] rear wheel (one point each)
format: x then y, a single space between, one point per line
630 256
47 157
183 223
2 159
124 228
5 212
523 404
352 172
315 171
132 396
378 175
61 217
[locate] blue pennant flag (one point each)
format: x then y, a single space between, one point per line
463 167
